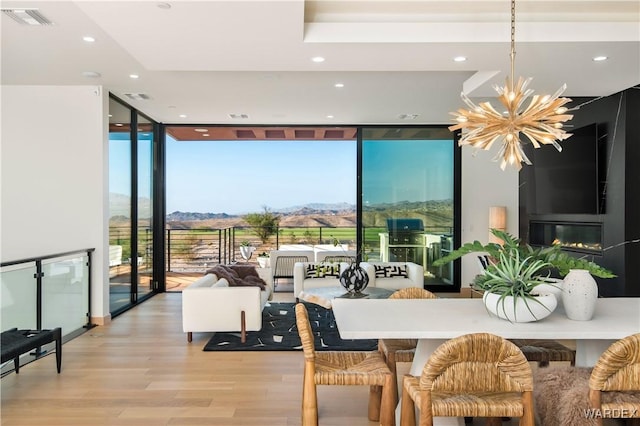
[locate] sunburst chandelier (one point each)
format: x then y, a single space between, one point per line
541 121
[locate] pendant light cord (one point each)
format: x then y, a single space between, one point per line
513 42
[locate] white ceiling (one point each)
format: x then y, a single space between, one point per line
209 59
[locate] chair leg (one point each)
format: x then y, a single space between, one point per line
494 421
388 402
189 336
309 398
57 335
528 416
375 400
407 409
391 363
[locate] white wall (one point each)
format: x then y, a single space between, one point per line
484 185
54 176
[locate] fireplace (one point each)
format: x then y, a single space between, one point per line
580 237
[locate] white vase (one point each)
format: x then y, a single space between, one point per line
523 310
579 295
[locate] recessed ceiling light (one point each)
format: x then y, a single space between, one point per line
119 124
201 130
329 116
134 76
183 116
460 58
205 134
600 58
164 5
91 74
110 115
339 85
88 39
317 59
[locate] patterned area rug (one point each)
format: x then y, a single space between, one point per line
280 333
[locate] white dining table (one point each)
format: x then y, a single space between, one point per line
434 321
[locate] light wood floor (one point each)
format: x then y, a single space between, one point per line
140 370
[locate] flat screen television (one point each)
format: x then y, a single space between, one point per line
567 182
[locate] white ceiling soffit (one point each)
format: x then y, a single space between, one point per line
208 59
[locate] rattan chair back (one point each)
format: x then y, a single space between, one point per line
618 368
305 332
412 293
479 362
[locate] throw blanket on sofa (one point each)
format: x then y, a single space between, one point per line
238 275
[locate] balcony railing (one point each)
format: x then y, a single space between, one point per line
47 292
196 249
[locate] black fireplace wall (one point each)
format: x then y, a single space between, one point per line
618 119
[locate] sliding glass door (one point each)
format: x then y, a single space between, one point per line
410 197
131 219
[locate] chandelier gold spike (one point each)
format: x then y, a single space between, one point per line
541 121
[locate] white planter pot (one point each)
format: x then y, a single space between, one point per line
579 295
246 252
555 288
522 311
263 261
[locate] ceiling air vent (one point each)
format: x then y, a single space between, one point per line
27 16
408 116
238 116
137 96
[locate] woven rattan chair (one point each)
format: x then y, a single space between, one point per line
402 350
474 375
617 369
343 368
582 396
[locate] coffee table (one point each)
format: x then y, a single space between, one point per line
324 295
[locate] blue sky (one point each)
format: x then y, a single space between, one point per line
407 170
238 177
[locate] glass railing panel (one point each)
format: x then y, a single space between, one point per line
65 297
19 296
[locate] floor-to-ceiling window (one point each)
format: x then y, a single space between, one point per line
132 139
410 200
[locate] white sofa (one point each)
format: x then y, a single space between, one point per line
209 304
307 275
391 275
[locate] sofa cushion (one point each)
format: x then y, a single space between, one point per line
322 270
221 283
390 271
